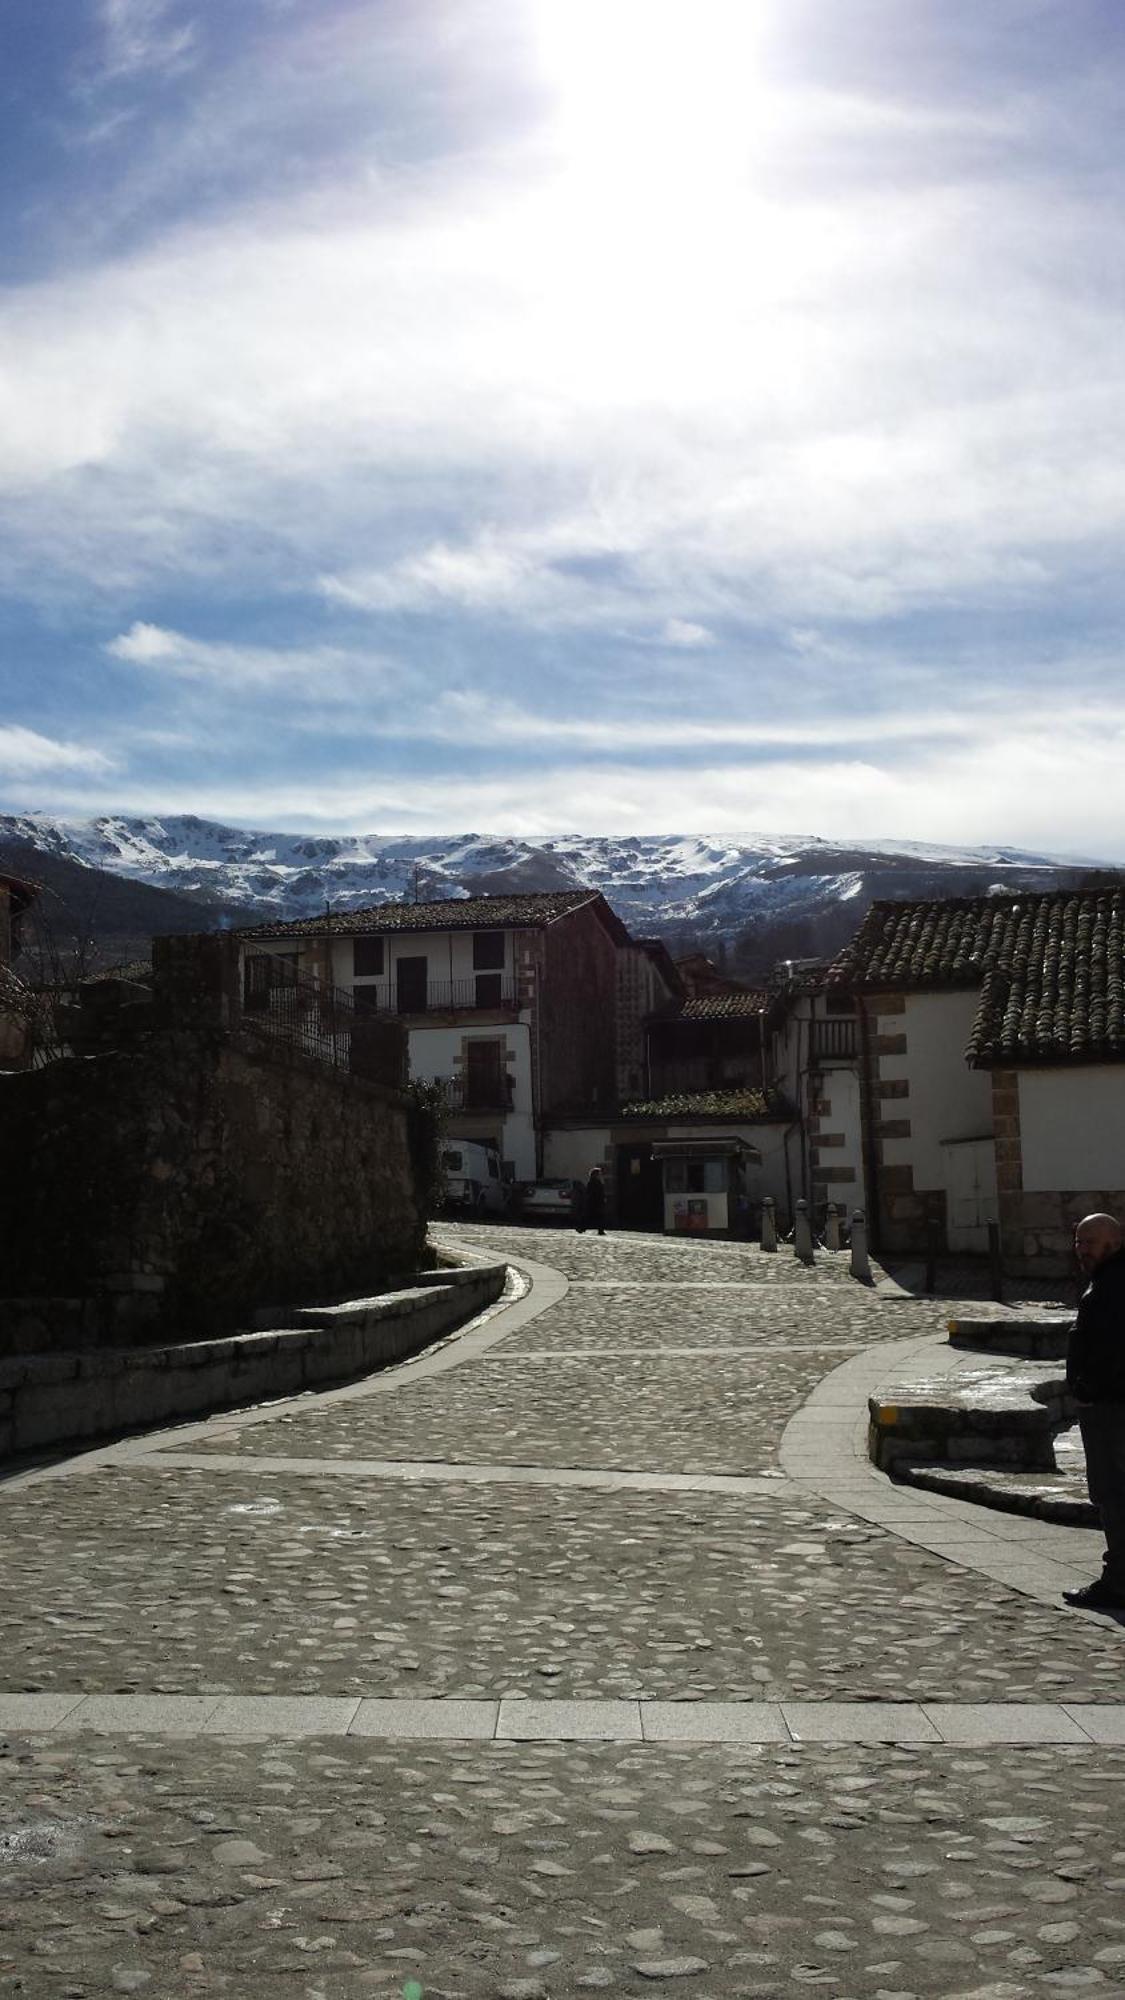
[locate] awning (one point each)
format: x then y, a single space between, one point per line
706 1149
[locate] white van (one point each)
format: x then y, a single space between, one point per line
474 1179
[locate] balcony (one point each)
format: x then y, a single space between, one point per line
834 1041
477 994
495 1092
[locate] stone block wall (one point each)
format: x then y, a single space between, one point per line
175 1182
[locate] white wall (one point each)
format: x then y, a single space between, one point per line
947 1100
432 1051
450 955
1072 1127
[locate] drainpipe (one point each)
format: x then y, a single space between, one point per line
872 1202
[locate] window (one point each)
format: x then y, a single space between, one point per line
367 958
490 989
451 1162
694 1176
488 951
365 999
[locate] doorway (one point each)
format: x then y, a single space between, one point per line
410 985
640 1188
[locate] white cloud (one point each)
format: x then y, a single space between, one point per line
320 672
1017 786
24 753
681 632
885 400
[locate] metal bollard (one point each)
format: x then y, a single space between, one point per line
802 1234
861 1263
996 1262
769 1223
832 1227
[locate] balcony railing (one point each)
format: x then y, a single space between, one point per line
834 1041
478 1093
438 996
319 1021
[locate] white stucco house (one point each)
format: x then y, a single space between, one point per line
991 1068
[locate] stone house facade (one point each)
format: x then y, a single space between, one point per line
992 1068
511 1003
813 1060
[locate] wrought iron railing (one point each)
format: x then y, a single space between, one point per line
478 1093
482 990
278 1001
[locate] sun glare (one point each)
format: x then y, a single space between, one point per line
659 89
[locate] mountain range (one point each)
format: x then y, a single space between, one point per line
747 898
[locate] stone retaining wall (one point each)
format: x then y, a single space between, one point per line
165 1184
53 1399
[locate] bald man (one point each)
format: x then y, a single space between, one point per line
1095 1376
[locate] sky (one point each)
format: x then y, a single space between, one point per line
532 416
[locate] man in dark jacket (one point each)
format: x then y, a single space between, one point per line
1095 1376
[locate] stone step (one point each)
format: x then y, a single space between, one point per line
1044 1338
1003 1416
1047 1496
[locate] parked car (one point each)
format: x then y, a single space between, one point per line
474 1179
547 1201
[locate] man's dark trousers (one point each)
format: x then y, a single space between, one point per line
1103 1440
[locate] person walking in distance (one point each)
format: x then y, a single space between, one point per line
1095 1376
594 1207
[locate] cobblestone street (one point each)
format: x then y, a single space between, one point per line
394 1688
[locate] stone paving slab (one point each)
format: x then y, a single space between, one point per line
459 1719
570 1721
453 1720
341 1869
272 1715
163 1579
170 1714
858 1722
635 1413
1104 1725
713 1722
1002 1722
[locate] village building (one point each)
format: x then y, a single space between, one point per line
991 1067
813 1061
510 1003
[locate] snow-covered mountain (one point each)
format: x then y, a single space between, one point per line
778 894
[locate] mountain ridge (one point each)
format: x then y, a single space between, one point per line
756 895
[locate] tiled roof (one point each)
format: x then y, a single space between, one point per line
722 1007
707 1104
1050 969
454 913
1057 993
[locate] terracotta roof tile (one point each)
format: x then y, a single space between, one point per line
1050 969
722 1007
475 913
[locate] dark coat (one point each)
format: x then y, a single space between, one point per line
595 1199
1095 1361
